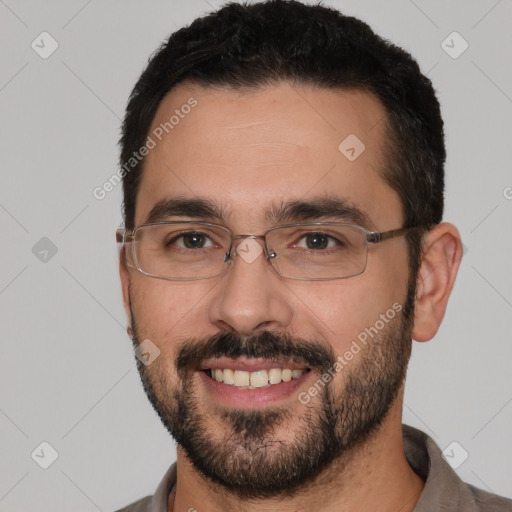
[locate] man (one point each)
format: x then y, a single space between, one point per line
283 245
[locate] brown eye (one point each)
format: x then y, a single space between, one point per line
193 240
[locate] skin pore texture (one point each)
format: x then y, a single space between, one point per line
249 152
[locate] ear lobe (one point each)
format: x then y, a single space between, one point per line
442 254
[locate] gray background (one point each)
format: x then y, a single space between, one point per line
68 375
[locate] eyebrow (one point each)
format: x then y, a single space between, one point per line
324 208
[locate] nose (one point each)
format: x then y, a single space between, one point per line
250 296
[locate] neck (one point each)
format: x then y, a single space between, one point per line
374 476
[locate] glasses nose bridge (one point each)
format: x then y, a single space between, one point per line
235 239
248 236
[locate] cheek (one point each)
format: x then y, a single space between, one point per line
383 288
167 310
344 308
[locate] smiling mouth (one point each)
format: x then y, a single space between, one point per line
254 379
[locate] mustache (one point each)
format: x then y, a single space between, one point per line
266 345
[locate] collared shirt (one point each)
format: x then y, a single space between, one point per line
444 490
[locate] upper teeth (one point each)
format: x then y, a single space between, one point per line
256 379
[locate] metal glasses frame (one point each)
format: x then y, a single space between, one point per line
124 236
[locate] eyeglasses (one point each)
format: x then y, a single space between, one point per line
189 250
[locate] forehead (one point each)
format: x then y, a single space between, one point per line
249 152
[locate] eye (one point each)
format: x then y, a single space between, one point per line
319 241
191 240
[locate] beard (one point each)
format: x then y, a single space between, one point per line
250 458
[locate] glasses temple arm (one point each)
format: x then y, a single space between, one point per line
375 238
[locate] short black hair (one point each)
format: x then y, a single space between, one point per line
249 46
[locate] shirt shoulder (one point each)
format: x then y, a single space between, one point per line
443 489
141 505
487 502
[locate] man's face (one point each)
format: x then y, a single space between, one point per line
251 154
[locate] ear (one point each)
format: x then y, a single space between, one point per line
124 274
442 254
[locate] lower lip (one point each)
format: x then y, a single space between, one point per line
241 398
